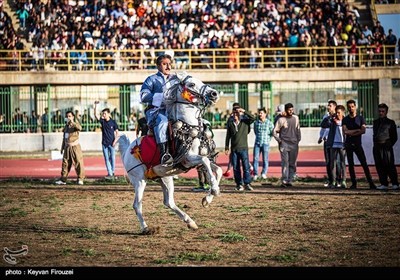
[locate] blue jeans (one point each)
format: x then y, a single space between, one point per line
264 150
109 158
241 156
157 120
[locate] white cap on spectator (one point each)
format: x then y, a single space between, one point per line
280 108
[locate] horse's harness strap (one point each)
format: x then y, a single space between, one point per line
137 165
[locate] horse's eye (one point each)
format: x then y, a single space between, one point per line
190 85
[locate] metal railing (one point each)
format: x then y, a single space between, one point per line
45 105
231 58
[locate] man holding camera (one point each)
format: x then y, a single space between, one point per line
238 127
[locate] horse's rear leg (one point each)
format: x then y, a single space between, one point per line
137 203
167 184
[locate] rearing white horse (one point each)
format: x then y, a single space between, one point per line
192 145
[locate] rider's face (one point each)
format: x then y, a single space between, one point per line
165 66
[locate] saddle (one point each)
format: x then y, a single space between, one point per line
180 138
148 151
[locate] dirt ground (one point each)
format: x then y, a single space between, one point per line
303 226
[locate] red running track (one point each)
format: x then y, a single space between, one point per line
310 164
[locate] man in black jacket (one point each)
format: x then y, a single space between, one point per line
384 137
238 127
354 127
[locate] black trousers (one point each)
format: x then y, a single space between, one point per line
384 164
352 149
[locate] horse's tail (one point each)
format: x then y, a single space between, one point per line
123 144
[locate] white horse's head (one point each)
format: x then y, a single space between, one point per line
185 88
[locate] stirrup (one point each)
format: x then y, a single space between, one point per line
167 160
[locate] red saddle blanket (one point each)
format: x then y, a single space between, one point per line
149 153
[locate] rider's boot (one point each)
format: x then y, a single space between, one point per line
165 157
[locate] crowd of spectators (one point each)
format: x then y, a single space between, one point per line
118 26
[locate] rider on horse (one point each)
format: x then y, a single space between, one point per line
152 93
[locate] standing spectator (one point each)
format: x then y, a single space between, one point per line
33 121
335 147
391 40
217 120
353 53
141 128
2 123
57 121
44 119
132 122
109 132
25 122
238 127
23 15
87 121
152 93
354 127
263 129
72 150
287 134
384 138
17 121
323 136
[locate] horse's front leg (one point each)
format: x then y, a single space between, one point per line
214 182
167 184
217 171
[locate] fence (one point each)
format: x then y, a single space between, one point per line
40 59
42 108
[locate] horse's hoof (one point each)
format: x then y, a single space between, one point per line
215 192
150 231
204 202
192 225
